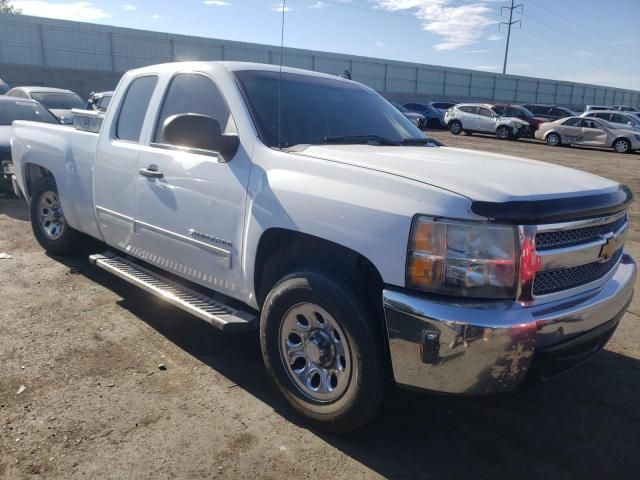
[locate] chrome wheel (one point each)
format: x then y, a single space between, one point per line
315 352
50 216
621 146
503 133
553 139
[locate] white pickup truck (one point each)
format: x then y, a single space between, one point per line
308 207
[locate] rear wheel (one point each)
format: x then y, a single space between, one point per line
320 346
455 127
48 221
622 145
553 139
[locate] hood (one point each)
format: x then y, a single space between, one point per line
515 120
476 175
63 114
413 115
5 138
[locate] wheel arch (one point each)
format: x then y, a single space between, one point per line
33 172
622 137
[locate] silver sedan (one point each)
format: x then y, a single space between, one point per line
593 132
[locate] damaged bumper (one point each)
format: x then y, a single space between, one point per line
473 347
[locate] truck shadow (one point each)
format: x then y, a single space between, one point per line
583 425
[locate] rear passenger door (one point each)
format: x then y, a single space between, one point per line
592 133
486 120
116 164
190 220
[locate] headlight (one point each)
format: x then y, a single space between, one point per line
462 258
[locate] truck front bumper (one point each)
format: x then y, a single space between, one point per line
474 348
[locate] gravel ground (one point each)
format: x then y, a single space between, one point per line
84 350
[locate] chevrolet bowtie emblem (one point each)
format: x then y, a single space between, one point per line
608 249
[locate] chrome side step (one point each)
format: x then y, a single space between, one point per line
202 306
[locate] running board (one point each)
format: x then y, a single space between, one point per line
202 306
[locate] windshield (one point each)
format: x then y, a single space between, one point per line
10 111
58 100
402 108
318 110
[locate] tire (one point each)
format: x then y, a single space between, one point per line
455 127
553 139
47 219
503 132
622 145
291 328
434 124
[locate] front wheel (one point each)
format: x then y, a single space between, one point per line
48 221
455 127
503 132
553 139
321 348
622 145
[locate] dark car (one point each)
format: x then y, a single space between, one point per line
58 101
99 101
4 87
12 108
549 112
518 111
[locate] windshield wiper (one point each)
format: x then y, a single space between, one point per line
360 139
410 142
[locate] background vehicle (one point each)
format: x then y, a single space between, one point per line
517 111
4 87
482 118
590 108
16 109
99 101
58 101
551 112
588 131
617 118
626 108
432 111
417 119
330 233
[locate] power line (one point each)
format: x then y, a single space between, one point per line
508 24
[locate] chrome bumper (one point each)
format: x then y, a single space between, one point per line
473 347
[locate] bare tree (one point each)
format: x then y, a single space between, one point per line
6 7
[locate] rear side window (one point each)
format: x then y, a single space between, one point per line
468 109
194 93
572 122
617 118
604 116
558 112
485 112
134 108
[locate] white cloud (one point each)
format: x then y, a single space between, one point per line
478 50
280 7
217 3
380 44
155 16
495 38
459 24
319 5
129 8
78 11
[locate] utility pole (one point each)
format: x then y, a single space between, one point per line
508 24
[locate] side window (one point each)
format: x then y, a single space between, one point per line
556 112
485 112
194 93
104 103
590 124
604 116
617 118
134 108
572 122
469 109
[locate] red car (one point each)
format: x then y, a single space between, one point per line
522 113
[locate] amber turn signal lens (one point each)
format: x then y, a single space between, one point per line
423 237
424 271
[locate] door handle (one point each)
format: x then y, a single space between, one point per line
151 172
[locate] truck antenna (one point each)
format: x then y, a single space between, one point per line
284 9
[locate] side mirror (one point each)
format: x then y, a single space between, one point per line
199 132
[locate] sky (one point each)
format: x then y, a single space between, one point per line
590 41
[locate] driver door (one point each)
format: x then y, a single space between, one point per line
190 204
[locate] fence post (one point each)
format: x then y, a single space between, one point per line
222 51
111 53
515 95
470 84
444 84
495 82
417 78
41 37
313 63
172 46
537 90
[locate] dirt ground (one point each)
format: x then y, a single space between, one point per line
87 347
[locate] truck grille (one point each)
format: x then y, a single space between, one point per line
552 281
571 238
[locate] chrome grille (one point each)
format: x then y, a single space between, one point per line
552 281
571 238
